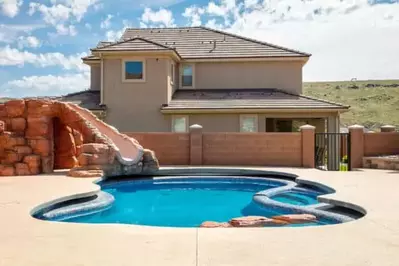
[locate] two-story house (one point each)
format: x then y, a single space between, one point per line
165 79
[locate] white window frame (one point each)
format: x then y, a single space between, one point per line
179 116
172 71
181 76
133 59
242 118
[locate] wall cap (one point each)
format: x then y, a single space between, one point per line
307 127
356 127
195 126
388 126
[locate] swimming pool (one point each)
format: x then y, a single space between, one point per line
188 201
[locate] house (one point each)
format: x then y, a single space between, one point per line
165 79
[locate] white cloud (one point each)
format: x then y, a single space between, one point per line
10 8
9 33
348 38
66 30
114 35
49 85
62 12
14 57
162 18
193 13
88 26
107 22
30 41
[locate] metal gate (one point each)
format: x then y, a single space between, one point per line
332 151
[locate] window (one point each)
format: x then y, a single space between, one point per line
179 123
133 70
172 73
248 123
187 76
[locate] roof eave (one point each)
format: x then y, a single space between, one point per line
171 110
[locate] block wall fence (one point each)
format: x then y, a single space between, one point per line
253 149
376 144
260 149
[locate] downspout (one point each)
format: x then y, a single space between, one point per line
102 80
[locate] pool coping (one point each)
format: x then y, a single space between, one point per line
261 197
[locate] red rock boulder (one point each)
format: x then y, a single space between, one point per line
85 173
210 224
254 221
33 162
296 218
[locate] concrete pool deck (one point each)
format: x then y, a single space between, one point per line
372 240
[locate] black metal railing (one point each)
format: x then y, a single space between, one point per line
332 151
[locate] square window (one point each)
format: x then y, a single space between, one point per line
187 76
134 70
249 124
179 124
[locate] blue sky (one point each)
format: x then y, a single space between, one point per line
41 42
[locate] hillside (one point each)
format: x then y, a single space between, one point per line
373 103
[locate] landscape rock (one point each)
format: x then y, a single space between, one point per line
254 221
85 173
296 218
210 224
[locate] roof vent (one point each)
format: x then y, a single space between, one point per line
159 31
188 30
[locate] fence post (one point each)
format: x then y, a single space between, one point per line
308 146
357 146
196 145
387 128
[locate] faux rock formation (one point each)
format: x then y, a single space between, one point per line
38 136
296 218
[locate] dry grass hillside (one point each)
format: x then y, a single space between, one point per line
373 102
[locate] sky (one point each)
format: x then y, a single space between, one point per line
42 42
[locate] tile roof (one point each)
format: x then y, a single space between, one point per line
198 43
134 44
88 99
245 98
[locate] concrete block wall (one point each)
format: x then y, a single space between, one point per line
245 149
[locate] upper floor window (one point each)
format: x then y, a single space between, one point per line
187 76
248 123
133 70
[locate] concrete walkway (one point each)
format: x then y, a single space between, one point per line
372 240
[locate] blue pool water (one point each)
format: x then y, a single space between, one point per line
187 202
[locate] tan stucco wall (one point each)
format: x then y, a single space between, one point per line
240 75
136 106
216 122
95 77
